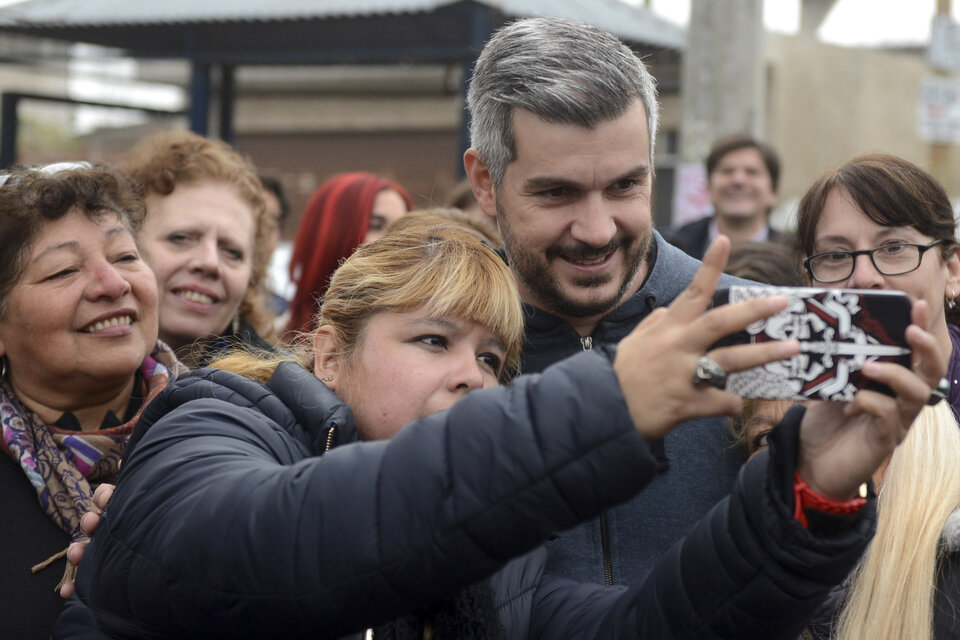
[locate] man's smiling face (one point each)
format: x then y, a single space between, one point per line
574 212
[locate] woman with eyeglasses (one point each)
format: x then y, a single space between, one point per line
881 222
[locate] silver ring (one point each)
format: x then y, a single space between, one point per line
940 393
709 372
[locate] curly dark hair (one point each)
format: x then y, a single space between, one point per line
30 197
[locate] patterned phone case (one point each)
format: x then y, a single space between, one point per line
838 329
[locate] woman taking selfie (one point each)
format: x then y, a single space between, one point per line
379 477
79 358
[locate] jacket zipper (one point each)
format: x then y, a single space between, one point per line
587 344
605 549
329 445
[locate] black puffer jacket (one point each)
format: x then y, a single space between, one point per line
747 570
228 522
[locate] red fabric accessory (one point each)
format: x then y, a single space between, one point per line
805 498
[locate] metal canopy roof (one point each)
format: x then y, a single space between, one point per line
314 31
232 33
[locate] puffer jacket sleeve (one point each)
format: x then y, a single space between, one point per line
747 570
221 525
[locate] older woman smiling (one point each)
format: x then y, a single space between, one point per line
79 358
205 236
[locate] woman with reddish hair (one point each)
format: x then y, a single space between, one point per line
346 211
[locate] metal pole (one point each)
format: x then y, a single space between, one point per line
723 88
8 129
480 29
940 151
199 97
228 93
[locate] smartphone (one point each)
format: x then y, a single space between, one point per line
838 329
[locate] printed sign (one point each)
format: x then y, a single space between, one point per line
690 198
944 51
939 110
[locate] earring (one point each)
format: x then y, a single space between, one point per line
327 379
952 302
235 324
3 367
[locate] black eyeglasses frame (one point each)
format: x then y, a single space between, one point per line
923 248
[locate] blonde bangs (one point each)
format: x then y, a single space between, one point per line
467 281
482 290
444 270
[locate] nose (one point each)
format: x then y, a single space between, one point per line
865 275
107 282
466 375
205 258
594 224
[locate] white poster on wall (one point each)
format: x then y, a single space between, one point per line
690 198
944 50
939 110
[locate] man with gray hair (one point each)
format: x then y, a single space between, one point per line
564 123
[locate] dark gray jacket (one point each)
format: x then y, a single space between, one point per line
697 462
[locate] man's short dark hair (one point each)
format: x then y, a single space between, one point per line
738 141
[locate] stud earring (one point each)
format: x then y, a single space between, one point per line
327 379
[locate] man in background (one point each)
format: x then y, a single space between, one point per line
742 177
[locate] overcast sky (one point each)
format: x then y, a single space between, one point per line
852 22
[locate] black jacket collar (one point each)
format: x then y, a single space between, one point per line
294 399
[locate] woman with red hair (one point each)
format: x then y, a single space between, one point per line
346 211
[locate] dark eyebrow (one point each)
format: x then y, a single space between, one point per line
881 236
637 173
73 245
538 183
451 327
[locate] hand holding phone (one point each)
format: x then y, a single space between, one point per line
839 330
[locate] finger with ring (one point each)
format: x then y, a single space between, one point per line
708 372
940 392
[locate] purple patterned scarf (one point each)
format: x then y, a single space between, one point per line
66 466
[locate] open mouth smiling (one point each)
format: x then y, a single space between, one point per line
115 321
587 261
194 296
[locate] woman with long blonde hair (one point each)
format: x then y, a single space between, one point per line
906 585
